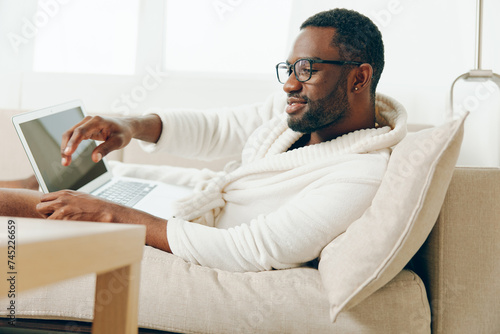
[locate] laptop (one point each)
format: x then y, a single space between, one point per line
41 133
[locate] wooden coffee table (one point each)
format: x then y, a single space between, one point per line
39 252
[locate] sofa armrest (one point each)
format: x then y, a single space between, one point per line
460 261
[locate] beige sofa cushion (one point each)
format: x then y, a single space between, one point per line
379 244
187 298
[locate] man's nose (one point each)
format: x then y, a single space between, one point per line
292 84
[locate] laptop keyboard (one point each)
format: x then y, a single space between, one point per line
127 193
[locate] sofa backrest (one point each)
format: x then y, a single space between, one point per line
460 261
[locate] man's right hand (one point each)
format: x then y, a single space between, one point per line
115 133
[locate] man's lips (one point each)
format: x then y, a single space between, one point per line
295 105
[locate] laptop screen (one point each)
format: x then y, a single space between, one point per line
44 136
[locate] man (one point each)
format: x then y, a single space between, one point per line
311 160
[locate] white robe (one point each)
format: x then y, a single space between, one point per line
275 209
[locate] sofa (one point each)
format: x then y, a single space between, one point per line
423 259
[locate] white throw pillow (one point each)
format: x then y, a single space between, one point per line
380 243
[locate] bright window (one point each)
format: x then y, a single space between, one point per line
226 36
86 36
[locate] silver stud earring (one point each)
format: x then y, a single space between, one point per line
355 88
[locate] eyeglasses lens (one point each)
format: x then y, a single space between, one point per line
284 71
303 70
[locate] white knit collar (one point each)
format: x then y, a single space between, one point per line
276 137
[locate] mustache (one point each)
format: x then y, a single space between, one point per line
298 96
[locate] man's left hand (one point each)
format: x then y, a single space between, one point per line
73 205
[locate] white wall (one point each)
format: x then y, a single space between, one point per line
25 89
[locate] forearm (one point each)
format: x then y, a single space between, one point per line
156 228
147 128
156 234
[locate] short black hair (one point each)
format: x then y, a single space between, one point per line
357 38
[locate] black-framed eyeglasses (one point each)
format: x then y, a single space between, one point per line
303 68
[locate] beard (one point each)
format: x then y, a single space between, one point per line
323 112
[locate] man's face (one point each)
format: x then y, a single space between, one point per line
322 100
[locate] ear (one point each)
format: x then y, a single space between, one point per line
362 78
